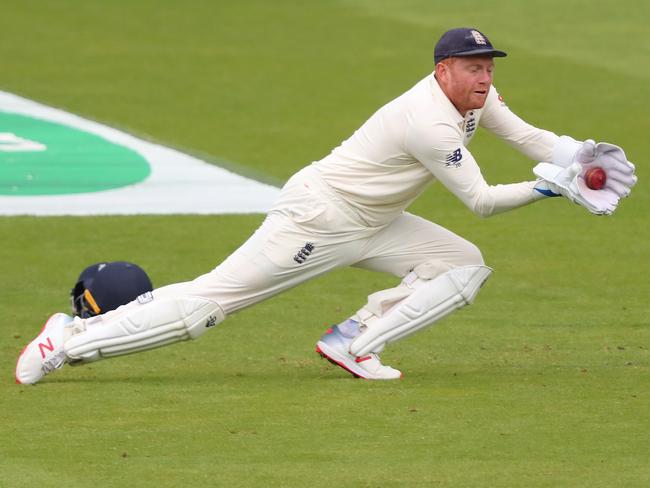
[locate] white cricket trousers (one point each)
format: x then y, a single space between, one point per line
309 231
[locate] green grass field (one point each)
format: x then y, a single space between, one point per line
544 382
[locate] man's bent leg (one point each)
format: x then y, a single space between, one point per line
448 268
417 302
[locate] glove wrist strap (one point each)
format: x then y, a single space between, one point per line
565 150
544 189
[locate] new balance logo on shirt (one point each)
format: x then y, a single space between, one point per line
453 159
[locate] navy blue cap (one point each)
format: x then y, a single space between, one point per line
464 41
102 287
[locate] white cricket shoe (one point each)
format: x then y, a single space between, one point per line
334 347
45 353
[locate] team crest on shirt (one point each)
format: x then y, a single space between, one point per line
470 126
454 159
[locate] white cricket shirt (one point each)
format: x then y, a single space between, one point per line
420 137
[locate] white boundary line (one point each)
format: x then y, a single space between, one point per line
178 183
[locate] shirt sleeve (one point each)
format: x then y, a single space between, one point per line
537 144
439 148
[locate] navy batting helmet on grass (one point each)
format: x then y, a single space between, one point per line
102 287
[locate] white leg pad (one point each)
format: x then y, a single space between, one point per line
141 327
430 301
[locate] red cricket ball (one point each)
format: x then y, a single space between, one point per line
595 178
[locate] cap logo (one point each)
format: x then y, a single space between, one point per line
478 37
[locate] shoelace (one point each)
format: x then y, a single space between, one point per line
55 362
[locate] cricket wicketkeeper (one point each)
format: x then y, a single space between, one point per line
348 209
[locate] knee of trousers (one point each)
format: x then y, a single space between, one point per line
472 256
468 255
150 325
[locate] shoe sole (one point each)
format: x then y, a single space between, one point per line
325 355
335 358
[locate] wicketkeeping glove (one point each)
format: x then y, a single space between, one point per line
620 172
570 181
567 182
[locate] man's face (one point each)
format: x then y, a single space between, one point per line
466 80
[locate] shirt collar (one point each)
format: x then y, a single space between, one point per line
446 104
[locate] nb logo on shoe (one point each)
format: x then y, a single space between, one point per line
304 253
49 346
211 322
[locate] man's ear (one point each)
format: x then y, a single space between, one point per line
441 71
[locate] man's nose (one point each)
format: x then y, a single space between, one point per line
486 78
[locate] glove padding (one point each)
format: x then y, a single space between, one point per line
612 159
570 181
623 177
